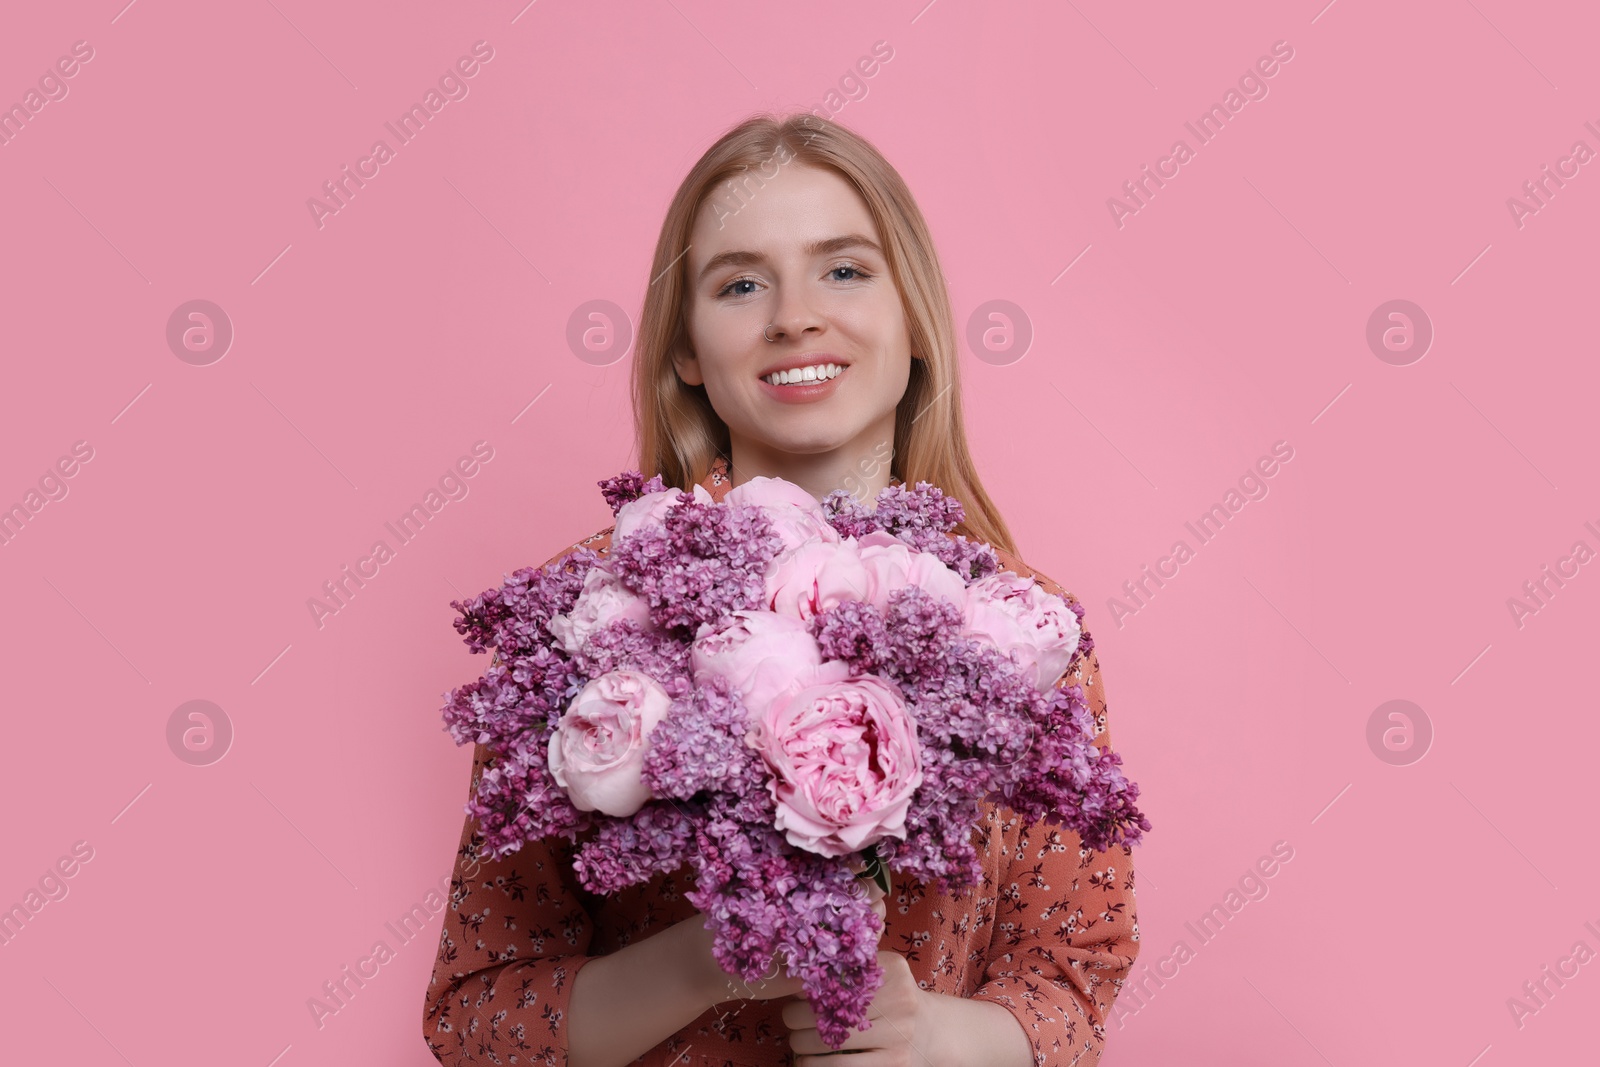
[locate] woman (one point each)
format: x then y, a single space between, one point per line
793 244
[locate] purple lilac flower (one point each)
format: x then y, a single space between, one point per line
514 615
510 699
625 645
699 747
832 937
700 563
516 801
855 632
848 515
769 901
628 486
923 517
656 839
984 731
533 679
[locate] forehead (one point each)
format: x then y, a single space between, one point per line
777 216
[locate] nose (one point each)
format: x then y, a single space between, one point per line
793 317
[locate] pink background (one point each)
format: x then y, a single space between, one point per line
1228 314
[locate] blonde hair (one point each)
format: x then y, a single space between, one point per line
679 434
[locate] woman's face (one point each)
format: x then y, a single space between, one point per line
801 259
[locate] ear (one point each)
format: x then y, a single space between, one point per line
687 366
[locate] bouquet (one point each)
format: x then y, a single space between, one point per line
787 694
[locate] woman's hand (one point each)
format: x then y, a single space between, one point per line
776 984
718 985
901 1018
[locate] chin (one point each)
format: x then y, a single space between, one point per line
816 437
808 447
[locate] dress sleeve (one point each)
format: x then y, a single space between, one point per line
1065 932
515 934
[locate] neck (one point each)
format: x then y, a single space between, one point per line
860 468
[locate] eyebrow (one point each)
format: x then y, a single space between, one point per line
826 247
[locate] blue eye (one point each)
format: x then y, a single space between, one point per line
859 275
737 281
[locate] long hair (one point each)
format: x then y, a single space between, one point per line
678 432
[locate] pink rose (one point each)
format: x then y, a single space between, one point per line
891 564
650 509
815 577
843 752
1034 627
597 750
758 653
602 601
795 514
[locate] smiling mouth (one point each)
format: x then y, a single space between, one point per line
814 375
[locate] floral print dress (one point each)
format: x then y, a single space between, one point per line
1050 934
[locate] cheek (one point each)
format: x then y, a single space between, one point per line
879 323
714 362
715 338
890 344
889 377
731 396
720 390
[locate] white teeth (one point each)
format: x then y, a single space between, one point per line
820 372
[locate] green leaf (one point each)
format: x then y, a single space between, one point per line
875 869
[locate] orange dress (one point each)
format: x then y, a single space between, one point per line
1050 934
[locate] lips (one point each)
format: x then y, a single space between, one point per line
803 392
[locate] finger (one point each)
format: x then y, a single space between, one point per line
798 1014
809 1043
872 894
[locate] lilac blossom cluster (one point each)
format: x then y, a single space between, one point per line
922 517
703 561
985 727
